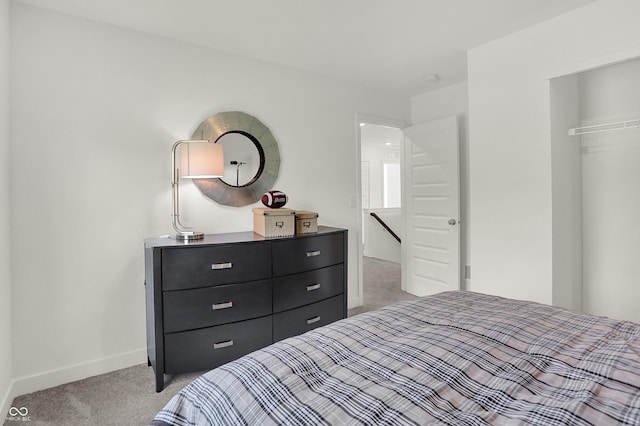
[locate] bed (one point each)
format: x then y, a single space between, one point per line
455 358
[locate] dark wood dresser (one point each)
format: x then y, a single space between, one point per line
214 300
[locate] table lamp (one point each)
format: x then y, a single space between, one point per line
198 159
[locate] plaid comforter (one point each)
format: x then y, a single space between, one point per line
456 358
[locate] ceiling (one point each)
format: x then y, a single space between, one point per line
406 47
376 137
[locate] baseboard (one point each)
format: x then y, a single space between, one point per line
467 285
354 302
53 378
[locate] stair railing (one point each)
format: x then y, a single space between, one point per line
386 227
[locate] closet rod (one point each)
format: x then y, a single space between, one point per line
605 127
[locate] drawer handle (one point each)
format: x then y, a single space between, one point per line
226 305
227 265
306 224
313 253
313 287
279 224
312 320
221 345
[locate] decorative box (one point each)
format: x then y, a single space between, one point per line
273 222
306 222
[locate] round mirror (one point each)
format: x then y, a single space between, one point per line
251 156
241 159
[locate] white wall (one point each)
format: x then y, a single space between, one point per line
451 100
5 243
95 111
510 148
611 188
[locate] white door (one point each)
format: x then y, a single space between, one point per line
431 208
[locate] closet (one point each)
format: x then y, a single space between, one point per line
596 190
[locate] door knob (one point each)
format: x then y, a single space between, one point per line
452 222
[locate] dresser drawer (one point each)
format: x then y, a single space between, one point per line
206 348
211 301
204 307
303 254
300 320
296 290
204 266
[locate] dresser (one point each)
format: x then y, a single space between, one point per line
213 300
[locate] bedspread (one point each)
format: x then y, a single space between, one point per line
455 358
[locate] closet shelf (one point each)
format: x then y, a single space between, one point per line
605 127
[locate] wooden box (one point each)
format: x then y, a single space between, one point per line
273 222
306 222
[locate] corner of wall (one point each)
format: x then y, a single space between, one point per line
6 346
7 400
443 102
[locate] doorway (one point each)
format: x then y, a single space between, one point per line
595 190
379 147
428 216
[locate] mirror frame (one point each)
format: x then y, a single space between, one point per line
247 125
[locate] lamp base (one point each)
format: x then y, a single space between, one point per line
189 236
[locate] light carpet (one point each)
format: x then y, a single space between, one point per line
128 396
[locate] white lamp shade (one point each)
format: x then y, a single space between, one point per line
201 160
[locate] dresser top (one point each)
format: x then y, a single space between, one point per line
231 237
